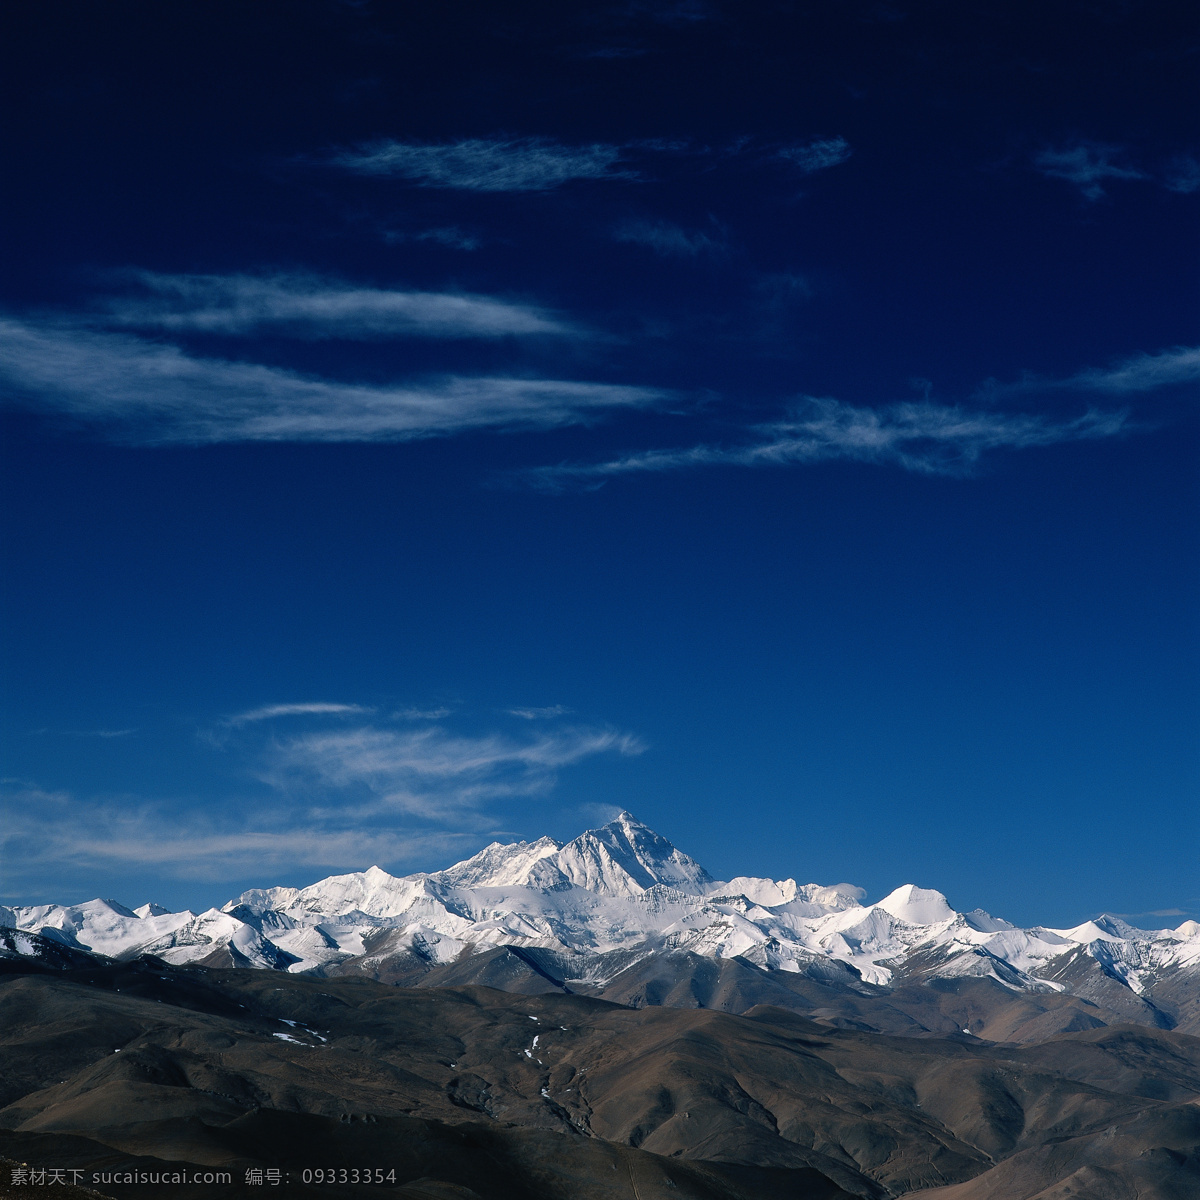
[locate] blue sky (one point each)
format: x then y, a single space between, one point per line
423 426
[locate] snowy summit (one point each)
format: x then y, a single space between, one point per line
621 890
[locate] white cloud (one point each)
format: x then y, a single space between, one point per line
335 801
1130 376
784 288
450 236
927 438
102 733
109 836
422 714
309 307
527 164
539 714
1182 174
1088 165
668 239
270 711
1142 373
146 393
817 155
431 772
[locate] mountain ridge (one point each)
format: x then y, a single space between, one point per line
583 914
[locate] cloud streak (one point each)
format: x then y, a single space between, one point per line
145 393
1142 373
1131 376
1182 174
539 164
1090 166
431 772
270 711
309 307
925 438
110 836
668 239
339 798
817 155
527 164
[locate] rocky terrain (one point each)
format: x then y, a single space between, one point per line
601 1019
472 1091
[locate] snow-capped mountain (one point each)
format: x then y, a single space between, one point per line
611 897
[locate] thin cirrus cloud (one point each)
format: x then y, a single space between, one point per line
1091 165
199 845
340 798
1182 174
668 239
450 236
141 392
433 773
1140 373
925 438
525 164
269 712
1088 165
422 714
539 164
310 307
539 714
817 155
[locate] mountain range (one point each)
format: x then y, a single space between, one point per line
622 914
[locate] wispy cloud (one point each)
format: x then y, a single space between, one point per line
527 164
1182 174
442 235
197 845
1088 165
1142 373
668 239
431 772
270 711
1130 376
100 733
422 714
784 288
678 13
926 438
538 164
817 155
145 393
539 714
338 798
310 307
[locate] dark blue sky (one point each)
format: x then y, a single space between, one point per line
431 423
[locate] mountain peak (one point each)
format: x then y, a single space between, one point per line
500 864
623 857
917 906
626 857
613 888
